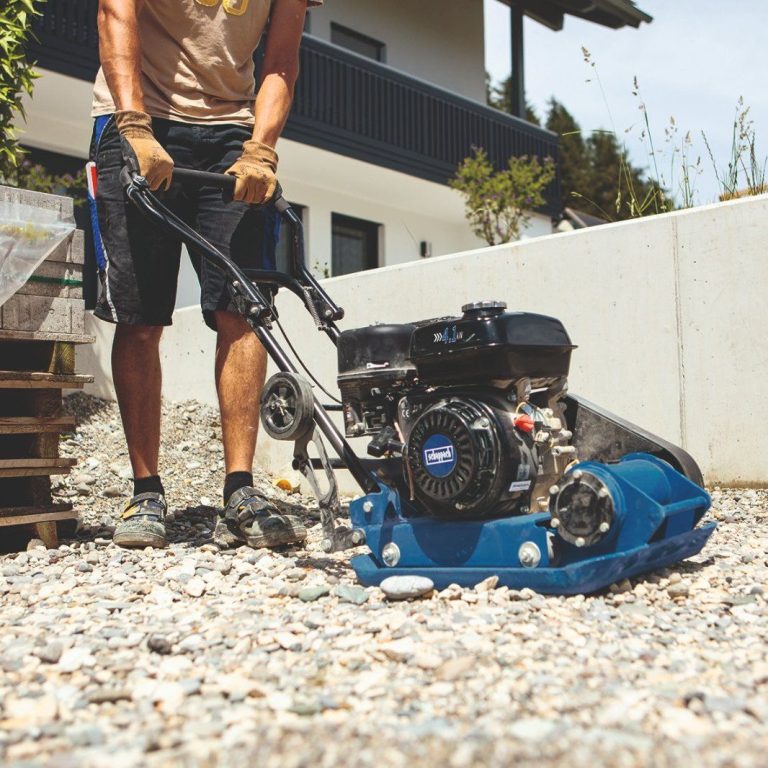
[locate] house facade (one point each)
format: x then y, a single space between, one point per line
390 99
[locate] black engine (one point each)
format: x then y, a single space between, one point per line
471 403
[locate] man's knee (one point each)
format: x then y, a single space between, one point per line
231 325
140 335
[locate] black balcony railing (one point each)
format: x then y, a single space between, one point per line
344 103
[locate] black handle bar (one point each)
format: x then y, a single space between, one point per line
223 181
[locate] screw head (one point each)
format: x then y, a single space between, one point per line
605 527
529 554
603 493
357 537
577 474
554 490
555 523
368 506
580 542
390 554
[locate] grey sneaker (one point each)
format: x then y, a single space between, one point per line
250 518
143 523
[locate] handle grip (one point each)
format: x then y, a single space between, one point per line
193 178
223 181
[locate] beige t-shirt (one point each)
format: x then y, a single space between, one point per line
196 60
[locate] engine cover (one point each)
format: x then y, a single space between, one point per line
464 459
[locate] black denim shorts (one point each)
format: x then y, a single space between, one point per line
140 265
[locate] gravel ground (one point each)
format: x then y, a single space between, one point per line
194 657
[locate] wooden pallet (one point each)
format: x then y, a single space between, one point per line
36 369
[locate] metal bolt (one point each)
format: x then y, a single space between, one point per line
390 554
580 542
253 311
577 475
605 527
357 537
603 493
554 490
555 523
529 554
235 283
368 506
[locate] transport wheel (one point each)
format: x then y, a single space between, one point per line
287 407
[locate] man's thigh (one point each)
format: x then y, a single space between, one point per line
140 264
247 234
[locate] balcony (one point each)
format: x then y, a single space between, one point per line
344 103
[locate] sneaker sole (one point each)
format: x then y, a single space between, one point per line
135 540
276 539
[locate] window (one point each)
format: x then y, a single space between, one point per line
283 250
355 245
357 42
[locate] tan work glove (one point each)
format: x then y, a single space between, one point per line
255 171
153 162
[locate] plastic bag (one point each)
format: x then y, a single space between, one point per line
27 236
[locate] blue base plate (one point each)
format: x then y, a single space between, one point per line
578 578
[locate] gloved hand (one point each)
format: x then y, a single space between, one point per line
136 136
255 171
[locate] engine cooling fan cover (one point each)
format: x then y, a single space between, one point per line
453 455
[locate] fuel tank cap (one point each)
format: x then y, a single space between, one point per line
484 308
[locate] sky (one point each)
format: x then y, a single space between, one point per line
693 62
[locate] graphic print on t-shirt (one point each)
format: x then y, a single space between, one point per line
232 7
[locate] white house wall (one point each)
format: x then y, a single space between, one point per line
441 41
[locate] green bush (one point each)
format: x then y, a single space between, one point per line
499 205
16 78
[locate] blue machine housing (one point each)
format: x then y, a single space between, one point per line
656 511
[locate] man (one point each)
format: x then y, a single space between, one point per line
176 86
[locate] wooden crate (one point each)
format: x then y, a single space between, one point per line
39 326
31 422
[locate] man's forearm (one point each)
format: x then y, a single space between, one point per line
120 52
273 104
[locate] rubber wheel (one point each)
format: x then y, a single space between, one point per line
287 407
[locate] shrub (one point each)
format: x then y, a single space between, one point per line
16 78
499 204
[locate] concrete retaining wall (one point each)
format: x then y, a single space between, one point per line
668 314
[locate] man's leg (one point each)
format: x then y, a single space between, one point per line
241 364
137 377
249 517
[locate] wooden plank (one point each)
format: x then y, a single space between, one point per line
18 425
70 338
35 467
27 463
34 471
39 380
36 515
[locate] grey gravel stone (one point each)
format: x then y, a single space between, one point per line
406 587
310 594
51 652
351 594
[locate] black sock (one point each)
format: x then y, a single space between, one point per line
234 481
148 485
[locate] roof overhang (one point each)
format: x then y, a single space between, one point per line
608 13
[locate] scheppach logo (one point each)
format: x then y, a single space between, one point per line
443 455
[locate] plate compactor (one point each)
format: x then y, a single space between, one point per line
480 462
